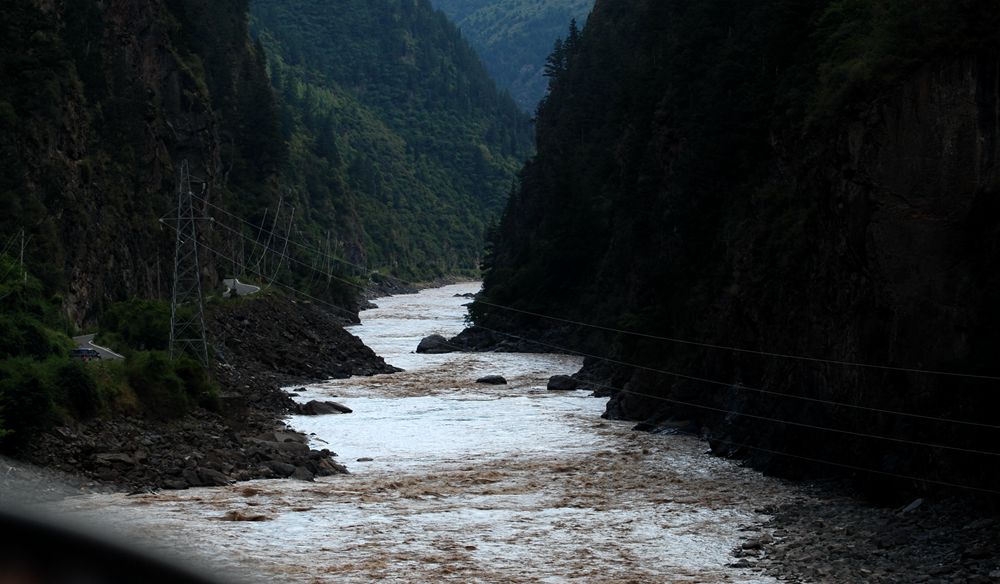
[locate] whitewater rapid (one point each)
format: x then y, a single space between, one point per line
457 481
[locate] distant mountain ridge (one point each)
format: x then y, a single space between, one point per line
514 37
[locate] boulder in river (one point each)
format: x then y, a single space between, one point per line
492 380
562 383
434 344
319 408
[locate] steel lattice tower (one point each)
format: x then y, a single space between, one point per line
187 311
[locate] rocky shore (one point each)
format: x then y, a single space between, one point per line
260 345
826 535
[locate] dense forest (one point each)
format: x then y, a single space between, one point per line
514 37
99 106
386 106
370 137
777 219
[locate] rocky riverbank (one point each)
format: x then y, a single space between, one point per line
260 346
827 536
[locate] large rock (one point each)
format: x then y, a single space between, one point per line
302 473
318 408
475 338
213 478
562 383
492 380
281 469
435 344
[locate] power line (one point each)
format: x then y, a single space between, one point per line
291 258
670 339
862 469
781 453
673 373
10 242
743 414
291 217
742 350
746 387
270 234
295 243
280 285
721 410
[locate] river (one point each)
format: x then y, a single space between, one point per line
464 482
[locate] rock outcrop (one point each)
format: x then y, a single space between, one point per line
283 341
847 221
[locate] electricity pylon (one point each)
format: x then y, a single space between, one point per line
187 310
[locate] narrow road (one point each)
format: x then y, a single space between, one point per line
87 342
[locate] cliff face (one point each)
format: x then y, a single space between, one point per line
899 246
718 205
102 102
890 259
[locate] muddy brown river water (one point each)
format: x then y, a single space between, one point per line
461 482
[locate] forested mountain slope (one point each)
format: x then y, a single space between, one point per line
514 37
788 179
386 137
385 104
99 104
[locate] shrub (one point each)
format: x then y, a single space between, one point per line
116 395
136 325
78 390
197 385
160 390
23 335
27 398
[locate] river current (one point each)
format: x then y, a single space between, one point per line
457 481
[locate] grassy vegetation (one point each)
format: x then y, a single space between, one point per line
41 387
135 325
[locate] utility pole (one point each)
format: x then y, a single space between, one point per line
24 274
284 249
267 245
328 264
187 310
